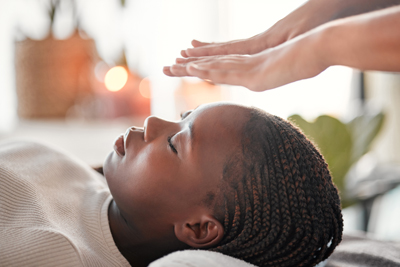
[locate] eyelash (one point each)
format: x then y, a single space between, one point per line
171 145
185 114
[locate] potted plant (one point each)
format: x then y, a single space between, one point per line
342 143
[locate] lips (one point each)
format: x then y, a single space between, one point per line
119 146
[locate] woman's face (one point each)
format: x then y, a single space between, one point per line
164 170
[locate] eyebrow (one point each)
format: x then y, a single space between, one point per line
191 130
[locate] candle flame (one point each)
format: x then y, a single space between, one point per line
116 78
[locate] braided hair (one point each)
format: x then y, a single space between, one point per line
280 207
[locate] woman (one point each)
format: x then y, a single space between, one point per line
226 178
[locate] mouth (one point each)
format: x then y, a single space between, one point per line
119 145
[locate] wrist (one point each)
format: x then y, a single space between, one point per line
319 45
327 42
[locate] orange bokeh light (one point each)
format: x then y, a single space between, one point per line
116 78
145 88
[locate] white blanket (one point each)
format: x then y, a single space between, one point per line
355 250
199 258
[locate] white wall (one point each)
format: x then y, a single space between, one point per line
153 33
383 92
8 115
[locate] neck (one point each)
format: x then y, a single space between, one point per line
134 245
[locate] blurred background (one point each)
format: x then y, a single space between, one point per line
75 74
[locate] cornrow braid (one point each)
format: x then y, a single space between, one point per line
280 205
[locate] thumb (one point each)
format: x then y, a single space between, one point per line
197 43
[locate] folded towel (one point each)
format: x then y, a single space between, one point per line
355 250
198 258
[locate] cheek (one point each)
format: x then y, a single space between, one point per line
146 180
149 167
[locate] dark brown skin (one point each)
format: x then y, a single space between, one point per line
160 193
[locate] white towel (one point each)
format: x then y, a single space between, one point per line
198 258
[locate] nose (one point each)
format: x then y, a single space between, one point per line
154 127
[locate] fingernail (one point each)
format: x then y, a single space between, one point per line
183 53
179 60
166 67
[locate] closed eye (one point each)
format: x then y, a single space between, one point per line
172 145
185 114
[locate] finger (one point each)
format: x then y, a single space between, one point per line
208 50
190 59
232 47
167 71
197 43
179 70
186 60
180 60
183 53
215 64
230 62
231 77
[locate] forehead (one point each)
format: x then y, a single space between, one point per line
217 130
221 116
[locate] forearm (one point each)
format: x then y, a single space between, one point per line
312 14
368 42
346 8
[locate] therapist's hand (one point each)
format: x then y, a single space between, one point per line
367 42
294 60
310 15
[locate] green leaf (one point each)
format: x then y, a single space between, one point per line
364 129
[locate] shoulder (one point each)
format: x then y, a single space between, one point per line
18 148
31 161
29 246
26 156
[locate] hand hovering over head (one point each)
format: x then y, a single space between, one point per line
368 41
308 16
299 21
299 46
265 70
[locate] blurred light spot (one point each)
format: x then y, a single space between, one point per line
144 88
116 78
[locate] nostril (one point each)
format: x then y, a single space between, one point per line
135 128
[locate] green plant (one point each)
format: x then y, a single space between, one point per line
342 144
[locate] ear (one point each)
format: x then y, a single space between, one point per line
203 232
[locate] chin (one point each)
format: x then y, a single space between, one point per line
110 170
107 165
